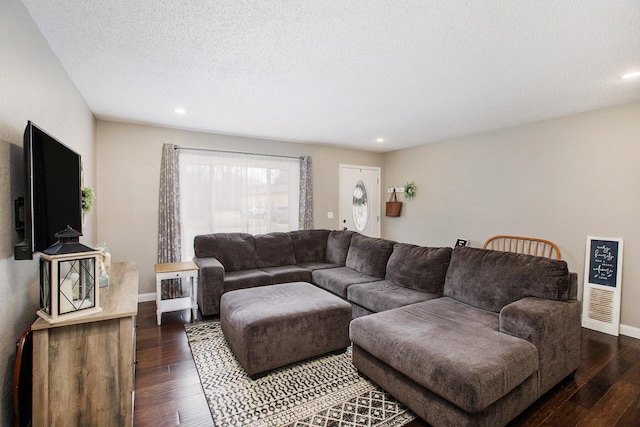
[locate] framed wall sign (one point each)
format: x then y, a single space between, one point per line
462 242
602 284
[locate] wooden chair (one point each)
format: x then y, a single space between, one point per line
22 372
523 245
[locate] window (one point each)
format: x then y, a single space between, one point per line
228 192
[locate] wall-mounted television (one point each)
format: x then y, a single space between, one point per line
53 193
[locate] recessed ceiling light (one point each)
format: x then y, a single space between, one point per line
631 75
179 110
379 139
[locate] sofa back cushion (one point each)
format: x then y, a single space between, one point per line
235 251
418 267
309 245
274 250
492 279
369 255
338 243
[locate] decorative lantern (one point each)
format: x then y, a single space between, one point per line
68 279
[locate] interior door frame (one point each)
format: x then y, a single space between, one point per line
375 210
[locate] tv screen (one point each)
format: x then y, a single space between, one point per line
53 188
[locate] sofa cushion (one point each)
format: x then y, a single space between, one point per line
317 265
450 349
369 255
338 243
236 251
245 279
288 273
492 279
417 267
337 280
274 250
309 245
385 295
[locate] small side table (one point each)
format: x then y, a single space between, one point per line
176 270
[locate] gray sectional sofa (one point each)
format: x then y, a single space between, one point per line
462 337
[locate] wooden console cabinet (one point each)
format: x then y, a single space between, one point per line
84 369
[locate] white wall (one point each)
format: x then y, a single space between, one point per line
560 180
129 175
34 86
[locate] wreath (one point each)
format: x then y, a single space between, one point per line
410 190
87 199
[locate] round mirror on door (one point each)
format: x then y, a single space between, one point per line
360 208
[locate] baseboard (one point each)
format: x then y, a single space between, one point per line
630 331
147 297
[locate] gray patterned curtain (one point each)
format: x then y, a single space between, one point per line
306 195
169 238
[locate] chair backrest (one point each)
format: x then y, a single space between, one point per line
22 373
523 245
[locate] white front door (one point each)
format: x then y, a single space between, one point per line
360 199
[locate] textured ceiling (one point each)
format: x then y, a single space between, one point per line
341 71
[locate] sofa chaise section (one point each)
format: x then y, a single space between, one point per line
506 330
536 298
452 350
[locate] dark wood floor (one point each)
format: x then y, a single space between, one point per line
604 392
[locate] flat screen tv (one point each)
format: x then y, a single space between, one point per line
53 193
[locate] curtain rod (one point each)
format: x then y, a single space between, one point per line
236 152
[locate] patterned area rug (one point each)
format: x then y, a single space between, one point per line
324 391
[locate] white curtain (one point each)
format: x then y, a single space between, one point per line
235 192
169 230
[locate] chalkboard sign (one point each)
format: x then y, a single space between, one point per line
603 261
602 284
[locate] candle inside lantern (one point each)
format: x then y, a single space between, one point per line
66 296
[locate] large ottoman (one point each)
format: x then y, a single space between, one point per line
271 326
